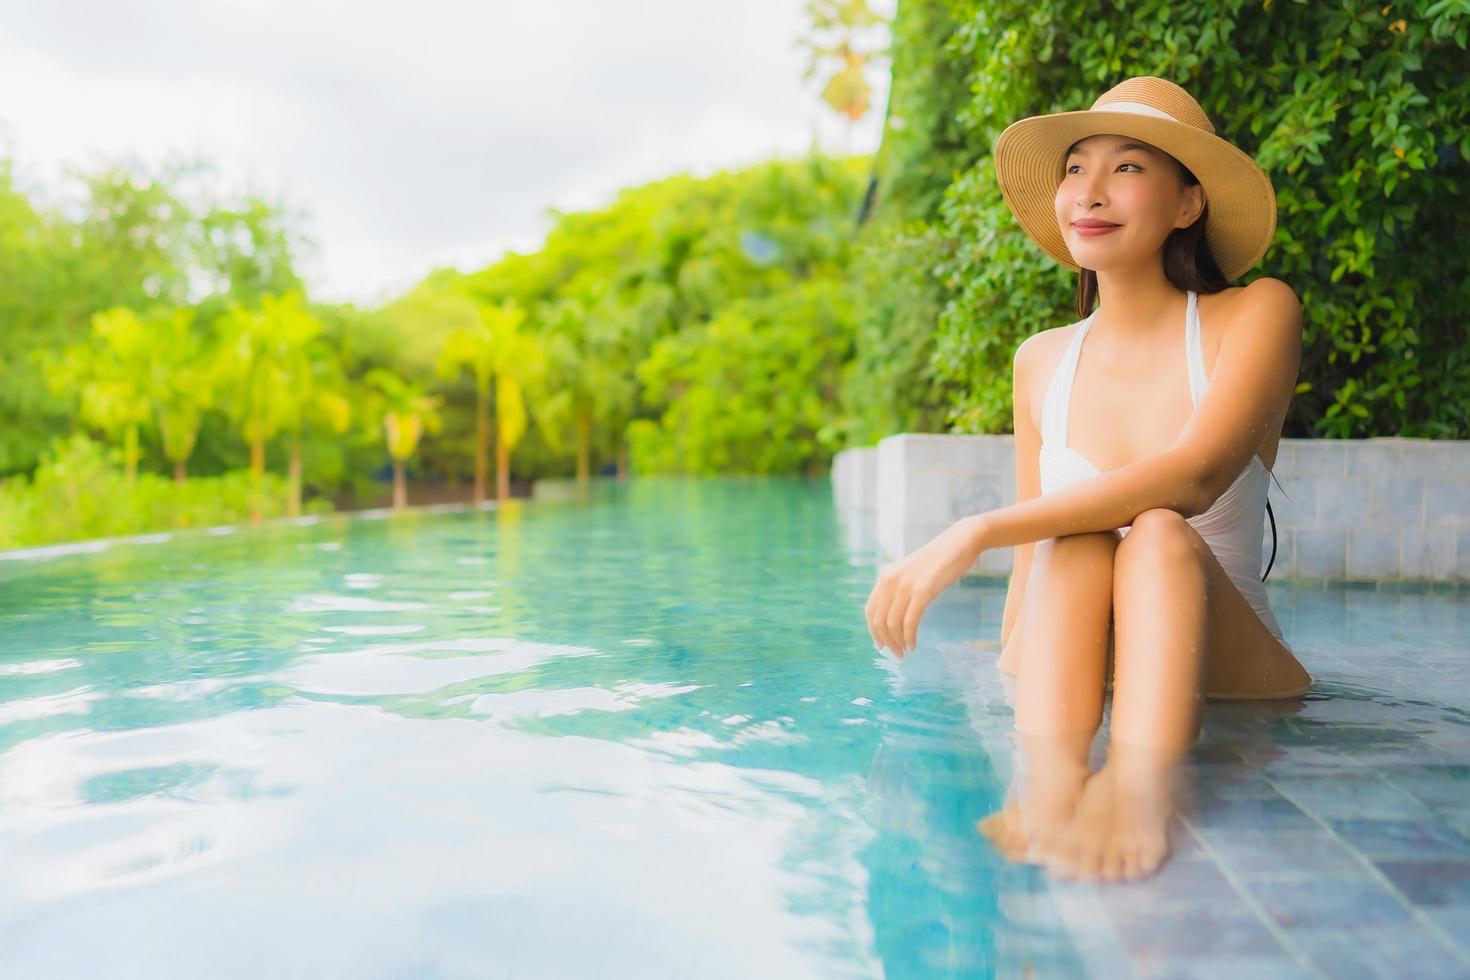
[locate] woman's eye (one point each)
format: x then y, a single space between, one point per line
1125 163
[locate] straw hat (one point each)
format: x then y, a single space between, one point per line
1029 157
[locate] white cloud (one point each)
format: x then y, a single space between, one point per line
416 135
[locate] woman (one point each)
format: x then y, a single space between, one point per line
1142 462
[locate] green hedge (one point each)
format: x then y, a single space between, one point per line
79 491
1360 113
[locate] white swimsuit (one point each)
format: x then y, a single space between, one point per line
1233 527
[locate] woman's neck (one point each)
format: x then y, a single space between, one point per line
1137 302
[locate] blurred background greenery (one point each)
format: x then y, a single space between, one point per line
162 365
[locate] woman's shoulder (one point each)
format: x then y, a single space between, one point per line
1036 360
1045 345
1263 299
1264 294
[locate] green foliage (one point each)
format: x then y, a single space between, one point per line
1359 112
666 271
145 240
678 329
80 491
752 391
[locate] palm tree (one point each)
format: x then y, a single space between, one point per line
257 352
314 387
518 362
473 347
585 380
407 413
110 379
180 384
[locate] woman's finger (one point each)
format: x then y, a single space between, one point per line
892 620
918 602
877 599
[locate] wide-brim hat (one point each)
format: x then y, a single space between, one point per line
1030 153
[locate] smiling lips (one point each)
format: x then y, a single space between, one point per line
1092 227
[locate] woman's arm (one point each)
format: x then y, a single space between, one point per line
1028 472
1252 382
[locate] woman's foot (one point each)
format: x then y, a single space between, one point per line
1003 829
1041 800
1120 829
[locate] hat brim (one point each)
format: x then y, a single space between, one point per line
1242 202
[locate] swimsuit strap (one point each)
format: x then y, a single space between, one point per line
1194 350
1059 392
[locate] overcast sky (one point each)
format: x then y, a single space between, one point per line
414 135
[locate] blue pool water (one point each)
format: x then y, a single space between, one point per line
646 734
643 735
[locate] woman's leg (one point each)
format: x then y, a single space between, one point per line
1181 628
1065 620
1066 617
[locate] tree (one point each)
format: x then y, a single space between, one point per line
110 377
315 397
517 362
473 346
587 379
179 383
407 413
259 369
847 89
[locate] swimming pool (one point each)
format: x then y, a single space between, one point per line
646 734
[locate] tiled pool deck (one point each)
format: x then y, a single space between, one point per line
1328 836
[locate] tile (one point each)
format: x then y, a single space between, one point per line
1431 882
1446 503
1324 457
1178 882
1435 785
1429 553
1261 814
1361 795
1395 501
1294 503
1374 553
1454 921
1403 752
1211 789
1372 457
1200 929
1320 553
1309 905
1247 852
1342 503
1435 457
1225 968
1402 838
1396 953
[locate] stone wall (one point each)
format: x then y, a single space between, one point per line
1363 509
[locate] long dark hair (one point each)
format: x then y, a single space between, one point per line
1188 264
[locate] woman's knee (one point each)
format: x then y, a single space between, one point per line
1160 532
1069 570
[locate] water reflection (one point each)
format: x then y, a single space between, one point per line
633 735
638 734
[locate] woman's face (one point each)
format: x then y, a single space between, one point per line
1131 185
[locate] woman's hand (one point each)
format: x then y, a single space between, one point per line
905 588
